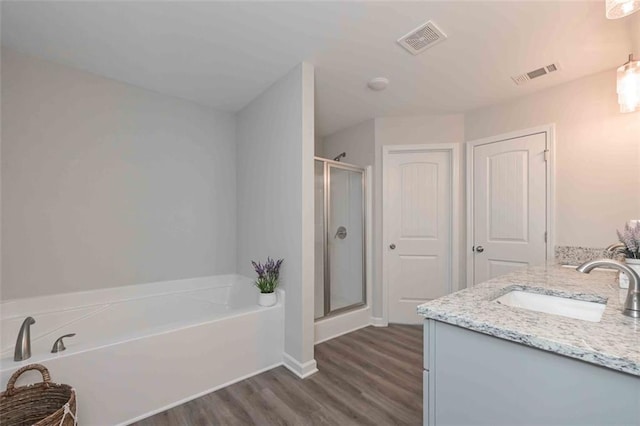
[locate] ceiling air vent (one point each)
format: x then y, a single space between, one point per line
523 78
422 38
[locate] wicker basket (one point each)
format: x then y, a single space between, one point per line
42 404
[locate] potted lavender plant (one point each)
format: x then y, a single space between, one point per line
630 238
267 281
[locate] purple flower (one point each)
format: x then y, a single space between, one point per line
268 274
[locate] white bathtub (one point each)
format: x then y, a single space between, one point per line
141 349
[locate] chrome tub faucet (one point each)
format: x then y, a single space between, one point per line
23 343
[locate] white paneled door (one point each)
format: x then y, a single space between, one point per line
509 205
418 212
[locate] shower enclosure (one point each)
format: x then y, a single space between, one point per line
340 282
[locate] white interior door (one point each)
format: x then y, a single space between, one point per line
509 205
417 221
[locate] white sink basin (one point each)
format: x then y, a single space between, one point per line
571 308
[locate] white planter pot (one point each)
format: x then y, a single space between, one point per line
267 299
633 264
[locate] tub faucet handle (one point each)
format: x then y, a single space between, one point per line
58 346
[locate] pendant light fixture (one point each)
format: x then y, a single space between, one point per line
620 8
629 85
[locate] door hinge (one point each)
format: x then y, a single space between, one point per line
545 237
546 155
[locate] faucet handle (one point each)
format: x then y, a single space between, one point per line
58 346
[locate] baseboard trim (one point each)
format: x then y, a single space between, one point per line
334 326
301 370
379 322
357 327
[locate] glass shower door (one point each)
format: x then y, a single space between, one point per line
344 263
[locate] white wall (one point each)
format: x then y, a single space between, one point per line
597 154
357 141
105 184
633 22
317 146
408 130
275 144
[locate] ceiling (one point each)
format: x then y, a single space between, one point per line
223 54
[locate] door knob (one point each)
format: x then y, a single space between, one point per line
392 246
341 233
479 249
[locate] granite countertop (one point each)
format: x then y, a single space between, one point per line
614 342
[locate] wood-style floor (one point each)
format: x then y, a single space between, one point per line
372 376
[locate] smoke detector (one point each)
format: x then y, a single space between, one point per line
524 78
420 39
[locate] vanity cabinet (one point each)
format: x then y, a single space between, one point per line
472 378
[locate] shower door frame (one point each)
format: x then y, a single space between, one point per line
327 165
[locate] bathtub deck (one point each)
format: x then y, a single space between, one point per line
370 376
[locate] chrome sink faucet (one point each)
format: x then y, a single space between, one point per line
23 343
632 303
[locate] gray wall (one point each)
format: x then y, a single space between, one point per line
275 144
357 141
106 184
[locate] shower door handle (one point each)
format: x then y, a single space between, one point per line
341 233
